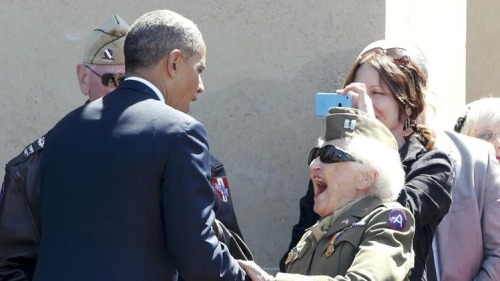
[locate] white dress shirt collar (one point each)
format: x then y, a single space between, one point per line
149 84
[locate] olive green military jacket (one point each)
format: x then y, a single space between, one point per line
370 240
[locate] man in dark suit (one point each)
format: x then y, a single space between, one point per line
125 180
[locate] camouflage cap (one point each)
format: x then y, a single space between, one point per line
343 122
105 44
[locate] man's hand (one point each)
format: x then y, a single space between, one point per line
254 271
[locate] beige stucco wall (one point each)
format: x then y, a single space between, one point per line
266 59
483 43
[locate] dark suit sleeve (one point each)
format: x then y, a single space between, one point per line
306 219
427 192
18 238
188 202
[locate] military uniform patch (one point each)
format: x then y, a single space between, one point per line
221 187
397 219
28 152
41 141
108 56
35 146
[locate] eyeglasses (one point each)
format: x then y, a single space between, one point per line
330 154
487 134
111 80
398 55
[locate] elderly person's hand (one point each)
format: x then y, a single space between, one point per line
254 271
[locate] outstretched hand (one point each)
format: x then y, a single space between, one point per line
254 271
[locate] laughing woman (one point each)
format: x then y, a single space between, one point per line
363 233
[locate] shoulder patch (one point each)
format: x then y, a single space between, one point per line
28 151
221 187
397 219
35 146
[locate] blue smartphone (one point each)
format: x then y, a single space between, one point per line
326 100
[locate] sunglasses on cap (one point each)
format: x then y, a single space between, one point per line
398 55
329 154
111 80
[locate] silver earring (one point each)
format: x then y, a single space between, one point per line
407 124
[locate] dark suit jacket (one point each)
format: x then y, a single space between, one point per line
125 195
20 214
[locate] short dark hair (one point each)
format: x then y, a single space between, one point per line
158 33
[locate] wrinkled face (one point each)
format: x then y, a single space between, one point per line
384 104
335 184
490 134
96 89
188 82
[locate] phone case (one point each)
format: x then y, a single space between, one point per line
324 101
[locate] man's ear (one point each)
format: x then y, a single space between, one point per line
83 79
368 179
172 61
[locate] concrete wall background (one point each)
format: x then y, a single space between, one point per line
266 59
483 41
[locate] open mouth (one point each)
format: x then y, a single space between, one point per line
320 185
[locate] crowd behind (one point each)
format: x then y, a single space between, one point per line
389 196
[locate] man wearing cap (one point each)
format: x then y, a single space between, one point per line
362 234
100 72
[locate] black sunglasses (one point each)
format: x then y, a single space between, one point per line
330 154
111 80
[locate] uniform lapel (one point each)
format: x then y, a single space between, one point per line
354 214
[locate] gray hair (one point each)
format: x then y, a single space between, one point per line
158 33
484 112
374 155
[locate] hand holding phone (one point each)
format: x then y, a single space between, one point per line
324 101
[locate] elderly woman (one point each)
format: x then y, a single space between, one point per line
363 232
482 120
